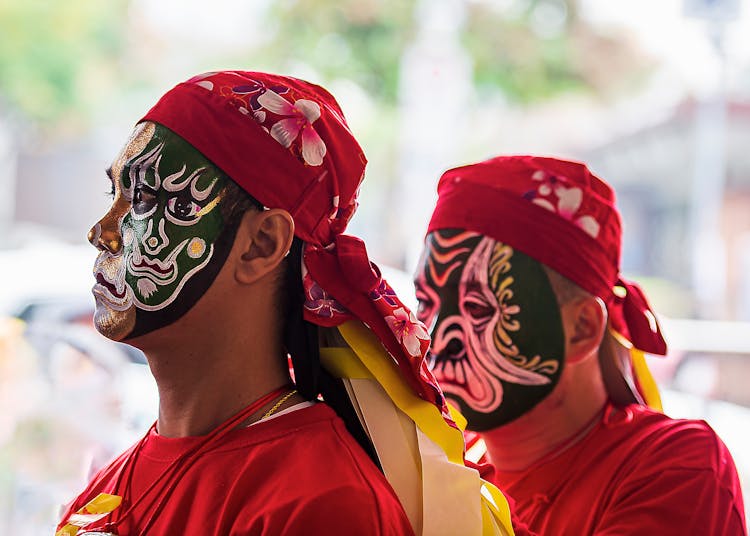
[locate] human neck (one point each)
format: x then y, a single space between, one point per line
204 377
556 423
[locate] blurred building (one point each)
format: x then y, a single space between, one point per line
653 172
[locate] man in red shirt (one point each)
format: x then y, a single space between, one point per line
539 340
223 256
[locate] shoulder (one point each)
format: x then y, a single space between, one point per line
350 509
314 444
669 463
315 477
690 444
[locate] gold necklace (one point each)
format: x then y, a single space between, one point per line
278 404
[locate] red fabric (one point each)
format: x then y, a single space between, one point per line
376 303
229 117
277 477
558 213
259 129
637 472
636 320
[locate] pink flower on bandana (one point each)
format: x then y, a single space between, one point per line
386 293
301 115
567 204
254 89
319 302
409 331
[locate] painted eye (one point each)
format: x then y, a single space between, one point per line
183 208
424 307
478 309
144 199
427 305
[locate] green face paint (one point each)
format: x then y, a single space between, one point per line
167 215
169 233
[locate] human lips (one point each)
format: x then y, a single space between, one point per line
110 282
109 286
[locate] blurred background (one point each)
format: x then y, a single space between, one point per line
654 96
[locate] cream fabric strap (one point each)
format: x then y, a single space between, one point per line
421 455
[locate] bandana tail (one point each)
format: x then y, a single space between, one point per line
637 328
644 380
428 451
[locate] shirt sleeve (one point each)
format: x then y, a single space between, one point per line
686 486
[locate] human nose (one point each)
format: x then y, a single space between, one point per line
448 339
105 236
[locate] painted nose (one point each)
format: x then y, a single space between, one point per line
448 341
452 350
104 240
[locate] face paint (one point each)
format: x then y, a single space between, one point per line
497 336
165 237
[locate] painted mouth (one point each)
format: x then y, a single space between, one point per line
454 370
459 378
111 288
114 294
450 363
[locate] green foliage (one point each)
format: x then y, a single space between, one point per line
508 55
542 48
528 50
62 60
55 56
358 39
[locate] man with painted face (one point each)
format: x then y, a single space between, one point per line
222 257
539 341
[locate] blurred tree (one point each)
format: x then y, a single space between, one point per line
357 39
530 50
56 57
536 49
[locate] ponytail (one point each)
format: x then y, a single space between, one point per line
301 340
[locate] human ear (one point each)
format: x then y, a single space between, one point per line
584 320
264 238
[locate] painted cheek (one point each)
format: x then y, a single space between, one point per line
196 248
181 252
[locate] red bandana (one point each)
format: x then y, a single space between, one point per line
560 214
285 141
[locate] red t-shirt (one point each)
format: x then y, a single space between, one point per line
299 473
637 472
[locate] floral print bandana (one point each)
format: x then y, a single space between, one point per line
286 142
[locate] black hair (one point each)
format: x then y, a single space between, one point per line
301 341
300 338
